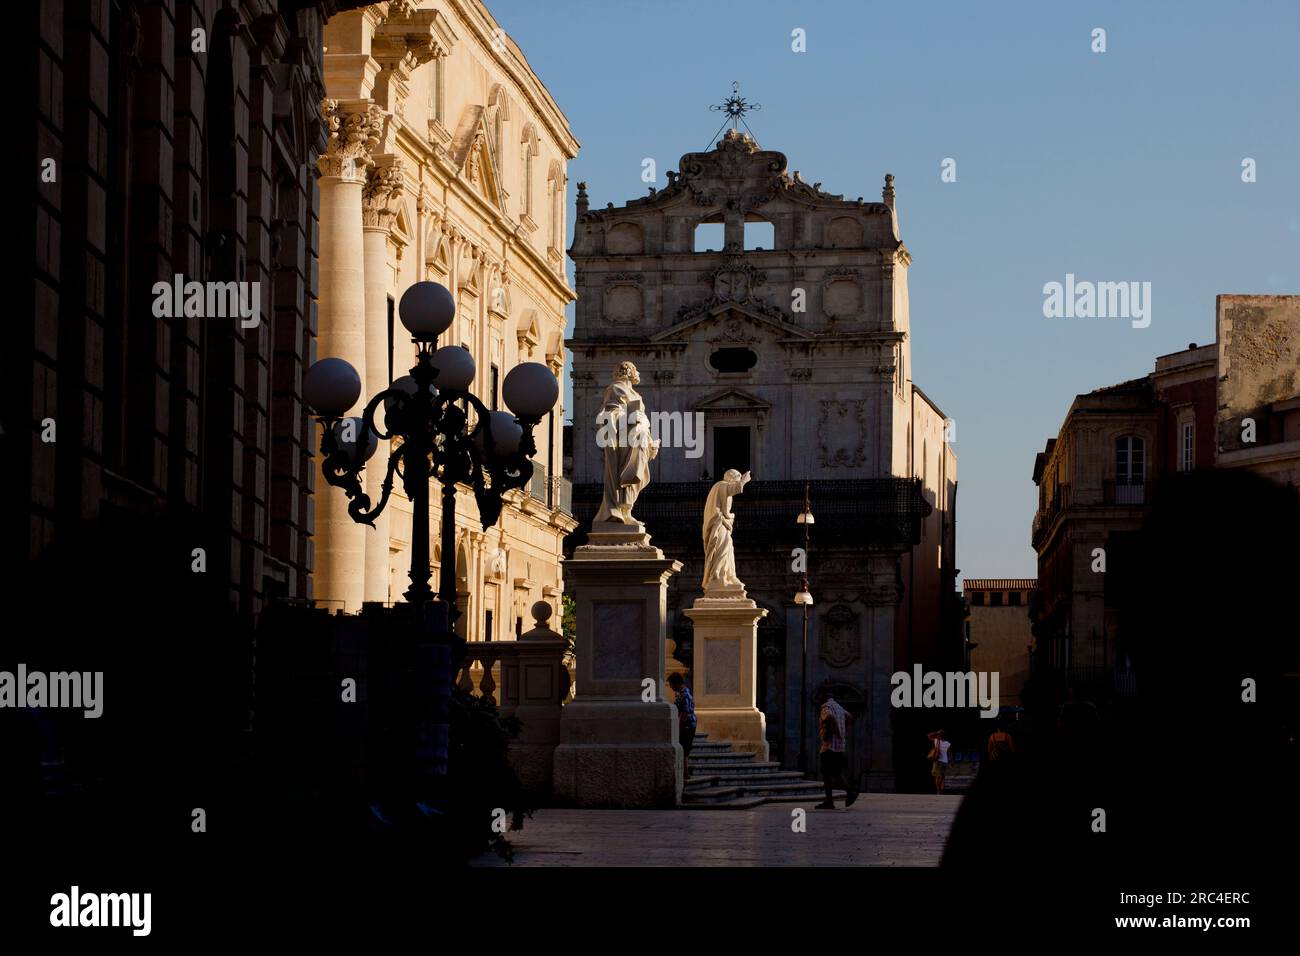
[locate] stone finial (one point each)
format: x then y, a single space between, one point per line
541 612
582 198
888 192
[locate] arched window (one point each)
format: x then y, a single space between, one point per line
499 108
531 150
759 234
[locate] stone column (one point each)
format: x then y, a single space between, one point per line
882 595
617 749
726 683
383 186
353 128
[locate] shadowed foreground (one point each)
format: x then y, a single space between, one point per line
881 829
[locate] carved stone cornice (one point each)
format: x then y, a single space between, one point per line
353 129
406 39
385 181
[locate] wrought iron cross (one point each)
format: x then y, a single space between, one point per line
735 106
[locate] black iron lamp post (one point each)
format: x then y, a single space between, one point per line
443 430
440 431
804 599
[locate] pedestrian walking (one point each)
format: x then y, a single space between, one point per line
832 724
938 758
1001 746
685 719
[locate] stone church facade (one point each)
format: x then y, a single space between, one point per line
792 351
446 162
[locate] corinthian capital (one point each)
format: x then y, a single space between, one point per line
384 183
353 129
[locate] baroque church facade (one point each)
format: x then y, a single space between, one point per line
446 162
788 340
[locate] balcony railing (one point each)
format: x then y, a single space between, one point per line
872 511
1058 502
561 494
553 491
1124 493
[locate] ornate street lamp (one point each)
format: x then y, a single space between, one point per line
443 430
804 599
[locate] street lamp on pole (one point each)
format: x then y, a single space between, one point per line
444 432
804 599
440 431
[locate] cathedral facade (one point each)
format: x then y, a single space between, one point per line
768 320
446 162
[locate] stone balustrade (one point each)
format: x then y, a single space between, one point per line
528 680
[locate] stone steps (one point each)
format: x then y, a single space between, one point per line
715 768
724 779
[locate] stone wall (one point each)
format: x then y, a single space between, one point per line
172 138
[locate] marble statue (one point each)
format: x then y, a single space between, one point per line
719 556
624 434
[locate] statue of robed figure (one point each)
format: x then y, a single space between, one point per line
624 434
719 555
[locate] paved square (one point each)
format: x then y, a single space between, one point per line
881 829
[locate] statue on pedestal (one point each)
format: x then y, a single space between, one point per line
624 434
719 555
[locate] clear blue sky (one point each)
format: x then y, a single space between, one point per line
1118 166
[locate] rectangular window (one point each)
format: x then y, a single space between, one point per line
995 599
1189 431
977 599
1130 463
550 449
730 450
1013 598
496 389
487 625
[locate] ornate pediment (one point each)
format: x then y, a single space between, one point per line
528 334
732 322
731 400
471 154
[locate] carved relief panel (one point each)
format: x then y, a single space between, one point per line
842 433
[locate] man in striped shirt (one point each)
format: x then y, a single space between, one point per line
832 723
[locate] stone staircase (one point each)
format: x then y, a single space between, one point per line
961 774
724 779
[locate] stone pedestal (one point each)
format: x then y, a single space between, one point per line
616 748
534 683
726 684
